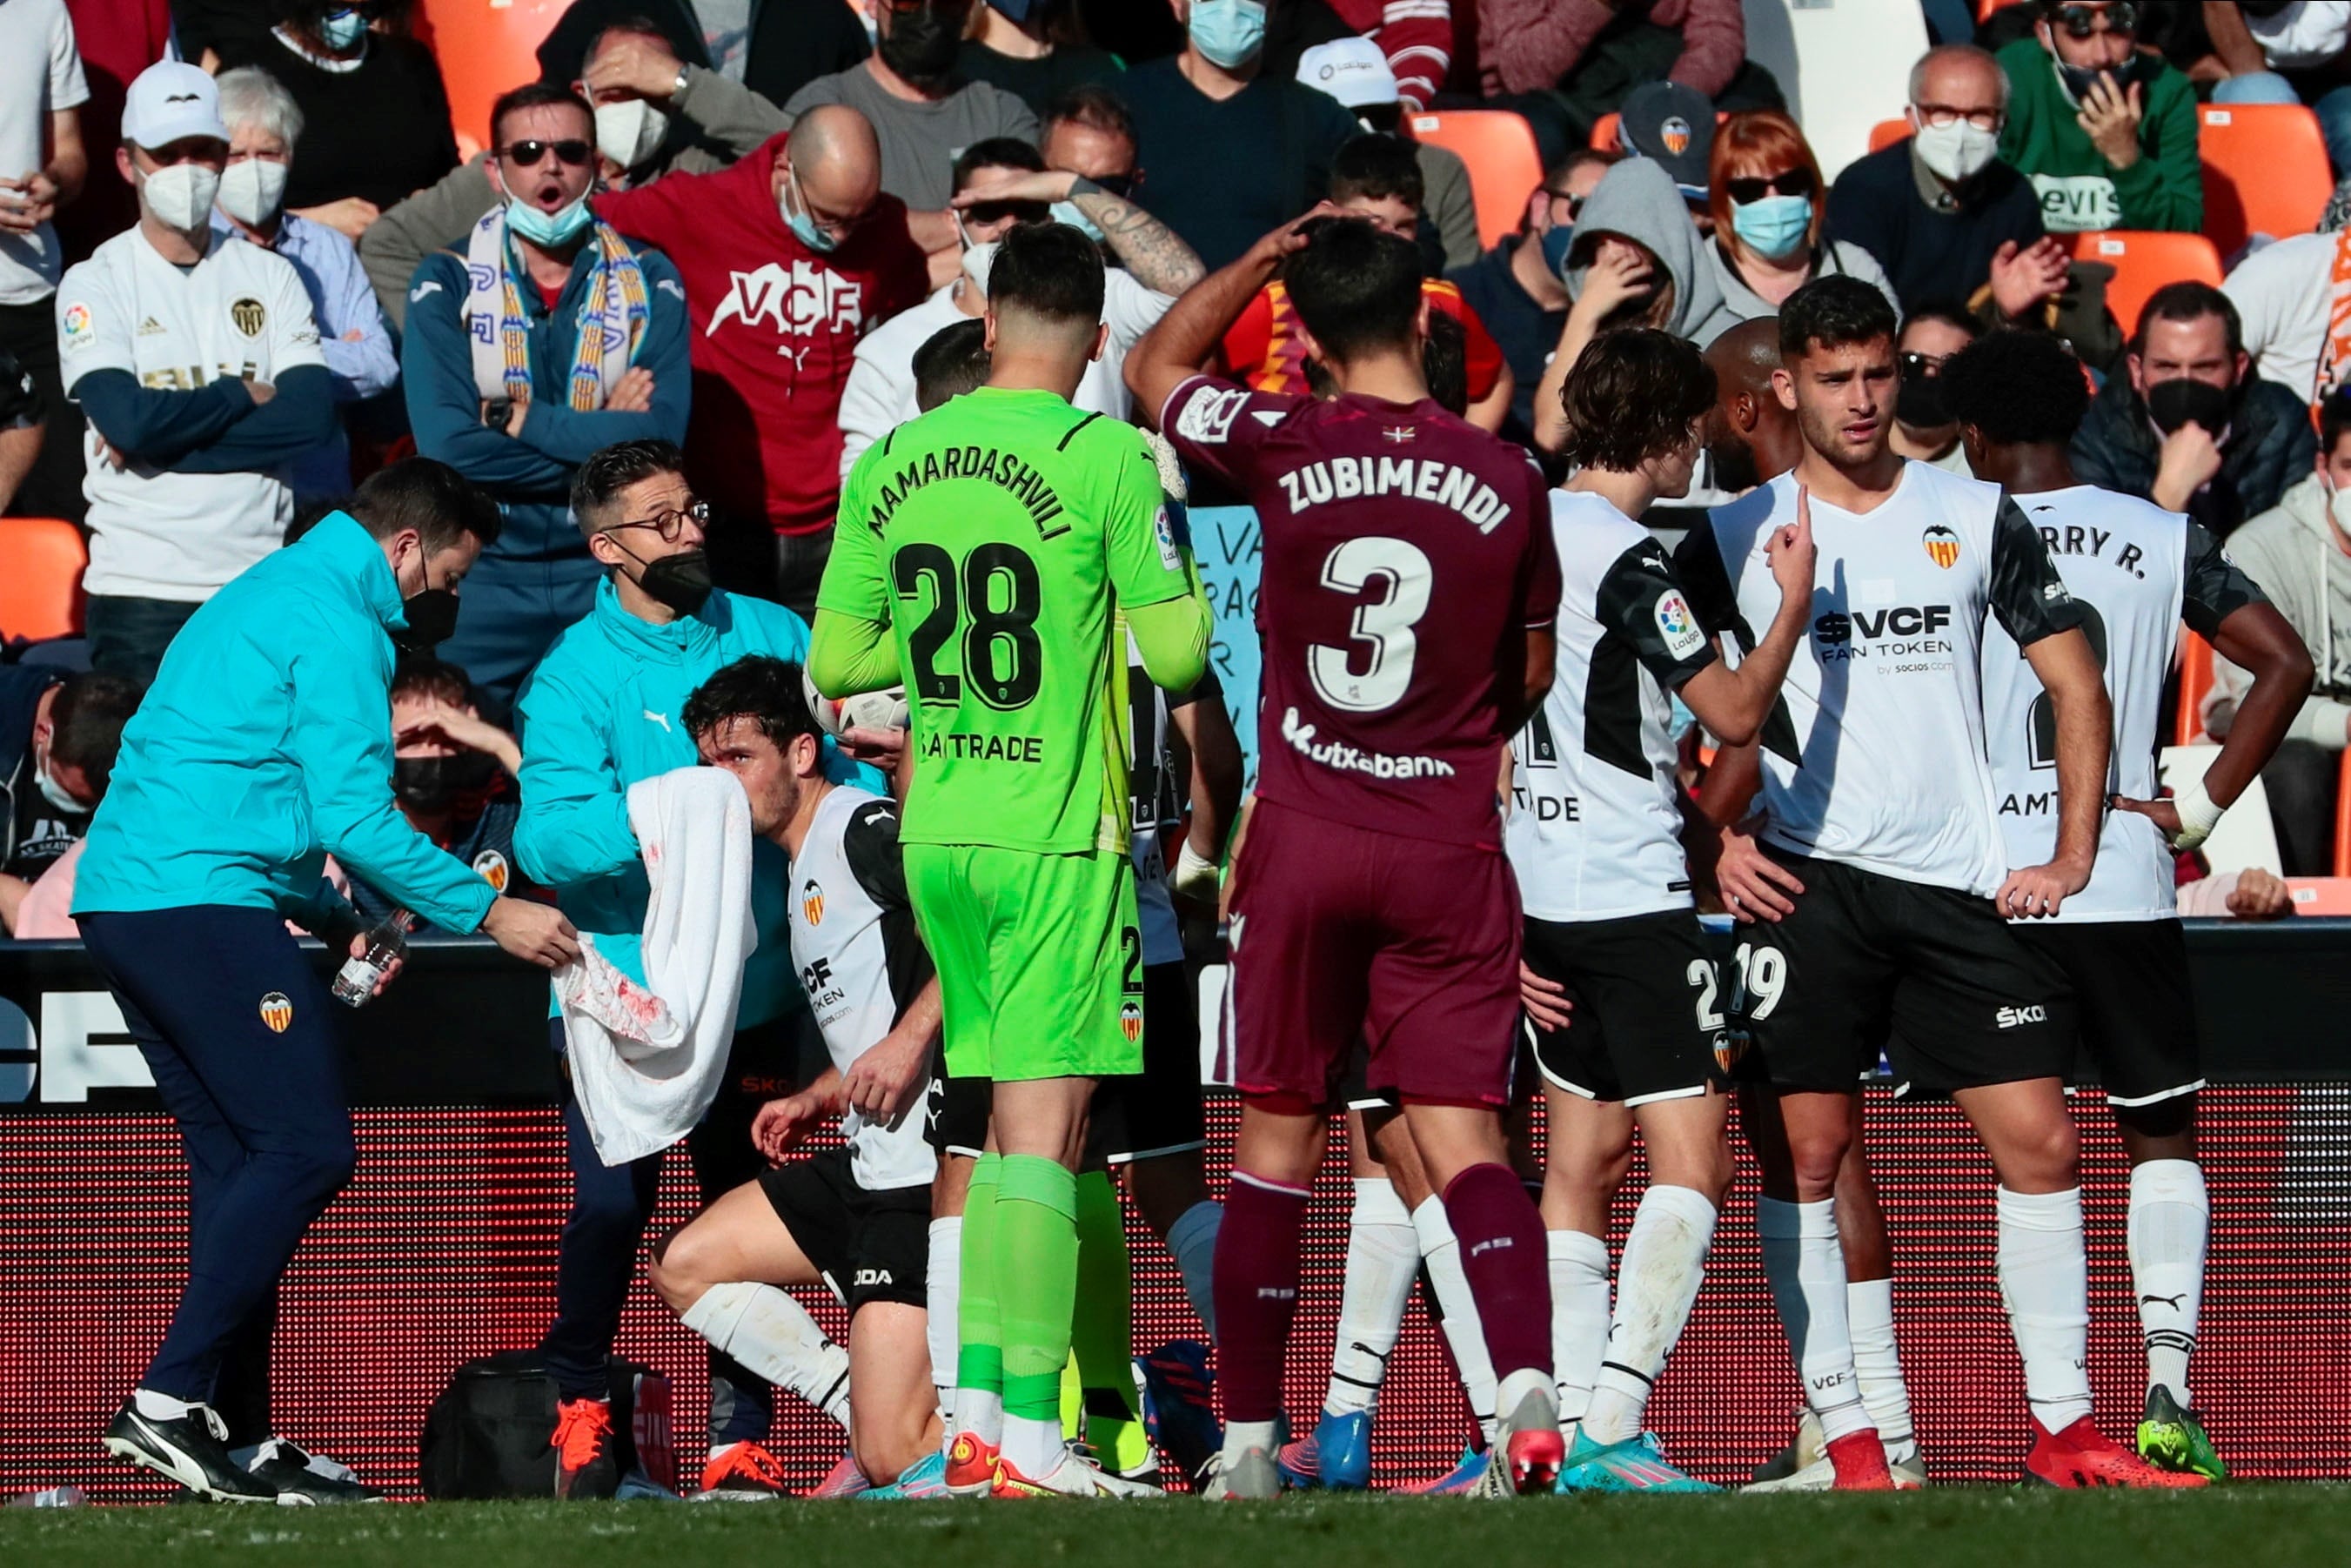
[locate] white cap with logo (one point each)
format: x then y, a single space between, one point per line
1352 70
170 101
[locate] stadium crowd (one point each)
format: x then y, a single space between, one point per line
652 369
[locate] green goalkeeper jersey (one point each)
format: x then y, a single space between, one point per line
998 534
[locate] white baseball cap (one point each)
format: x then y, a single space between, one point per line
170 101
1352 70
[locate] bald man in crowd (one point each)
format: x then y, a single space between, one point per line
789 257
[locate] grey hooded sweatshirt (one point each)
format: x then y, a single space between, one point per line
1637 200
2292 554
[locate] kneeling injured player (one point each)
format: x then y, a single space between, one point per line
856 1218
1627 1027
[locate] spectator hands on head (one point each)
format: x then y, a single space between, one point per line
2025 276
465 731
1620 273
2110 117
632 63
1045 185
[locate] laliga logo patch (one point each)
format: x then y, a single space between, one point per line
1130 1022
1676 134
1942 546
1678 625
491 867
278 1012
812 902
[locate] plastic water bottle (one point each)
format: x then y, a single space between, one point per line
356 981
50 1497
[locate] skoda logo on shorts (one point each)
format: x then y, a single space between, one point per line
812 902
1130 1022
491 867
278 1012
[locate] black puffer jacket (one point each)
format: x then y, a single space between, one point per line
2271 447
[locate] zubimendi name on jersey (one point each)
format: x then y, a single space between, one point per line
1421 479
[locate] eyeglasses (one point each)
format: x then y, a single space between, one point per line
1914 363
1574 203
1019 212
669 524
1795 182
531 154
1942 115
2086 21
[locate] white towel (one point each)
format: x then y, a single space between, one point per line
647 1061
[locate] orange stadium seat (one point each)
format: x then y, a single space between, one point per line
2195 680
40 585
2266 171
2143 263
2320 895
485 46
2343 818
1984 9
1505 166
1886 133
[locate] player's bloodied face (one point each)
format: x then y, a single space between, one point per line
1843 398
765 769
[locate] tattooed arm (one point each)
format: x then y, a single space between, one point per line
1154 253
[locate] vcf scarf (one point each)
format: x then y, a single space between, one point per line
612 317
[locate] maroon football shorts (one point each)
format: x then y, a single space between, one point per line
1340 934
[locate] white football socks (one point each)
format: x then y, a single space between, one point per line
1442 1253
1192 1241
943 1286
1383 1259
1805 1267
2169 1218
773 1335
1034 1448
160 1406
1579 1318
1664 1259
2044 1279
1869 1317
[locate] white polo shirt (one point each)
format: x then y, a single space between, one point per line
240 311
40 73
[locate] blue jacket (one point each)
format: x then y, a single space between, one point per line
263 745
532 475
604 709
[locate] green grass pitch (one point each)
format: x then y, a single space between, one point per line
2271 1526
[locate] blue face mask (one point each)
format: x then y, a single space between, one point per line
1227 32
1773 227
560 228
796 218
1556 240
341 29
1069 213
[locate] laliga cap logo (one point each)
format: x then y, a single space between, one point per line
1942 546
278 1012
1673 131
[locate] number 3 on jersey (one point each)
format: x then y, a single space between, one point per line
988 608
1383 633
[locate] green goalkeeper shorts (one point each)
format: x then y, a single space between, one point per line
1040 959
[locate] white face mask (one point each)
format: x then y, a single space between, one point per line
628 132
2337 507
181 196
976 260
253 191
55 793
1958 151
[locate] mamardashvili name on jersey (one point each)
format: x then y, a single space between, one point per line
1875 753
2138 571
1594 825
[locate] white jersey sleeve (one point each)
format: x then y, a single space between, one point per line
1593 831
95 322
1875 757
2138 571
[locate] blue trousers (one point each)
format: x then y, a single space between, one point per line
241 1037
610 1206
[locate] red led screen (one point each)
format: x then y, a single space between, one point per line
444 1249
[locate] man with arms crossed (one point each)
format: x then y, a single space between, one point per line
982 551
1372 900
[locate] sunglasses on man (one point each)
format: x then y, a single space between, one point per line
2087 21
531 154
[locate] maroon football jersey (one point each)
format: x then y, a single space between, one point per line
1406 553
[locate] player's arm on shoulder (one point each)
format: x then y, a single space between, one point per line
574 822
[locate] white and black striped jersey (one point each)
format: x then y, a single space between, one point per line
1594 827
2138 571
861 963
1156 789
1873 756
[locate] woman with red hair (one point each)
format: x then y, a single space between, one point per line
1769 201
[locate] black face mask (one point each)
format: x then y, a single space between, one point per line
2078 80
431 784
921 45
1920 404
432 619
2175 402
682 582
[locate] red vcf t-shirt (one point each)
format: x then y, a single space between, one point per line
776 330
1406 554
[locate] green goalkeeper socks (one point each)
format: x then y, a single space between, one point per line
979 1352
1035 1252
1102 1333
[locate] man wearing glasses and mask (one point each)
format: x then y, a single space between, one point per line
2106 130
603 710
506 386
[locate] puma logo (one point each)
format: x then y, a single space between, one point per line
2171 1301
660 718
